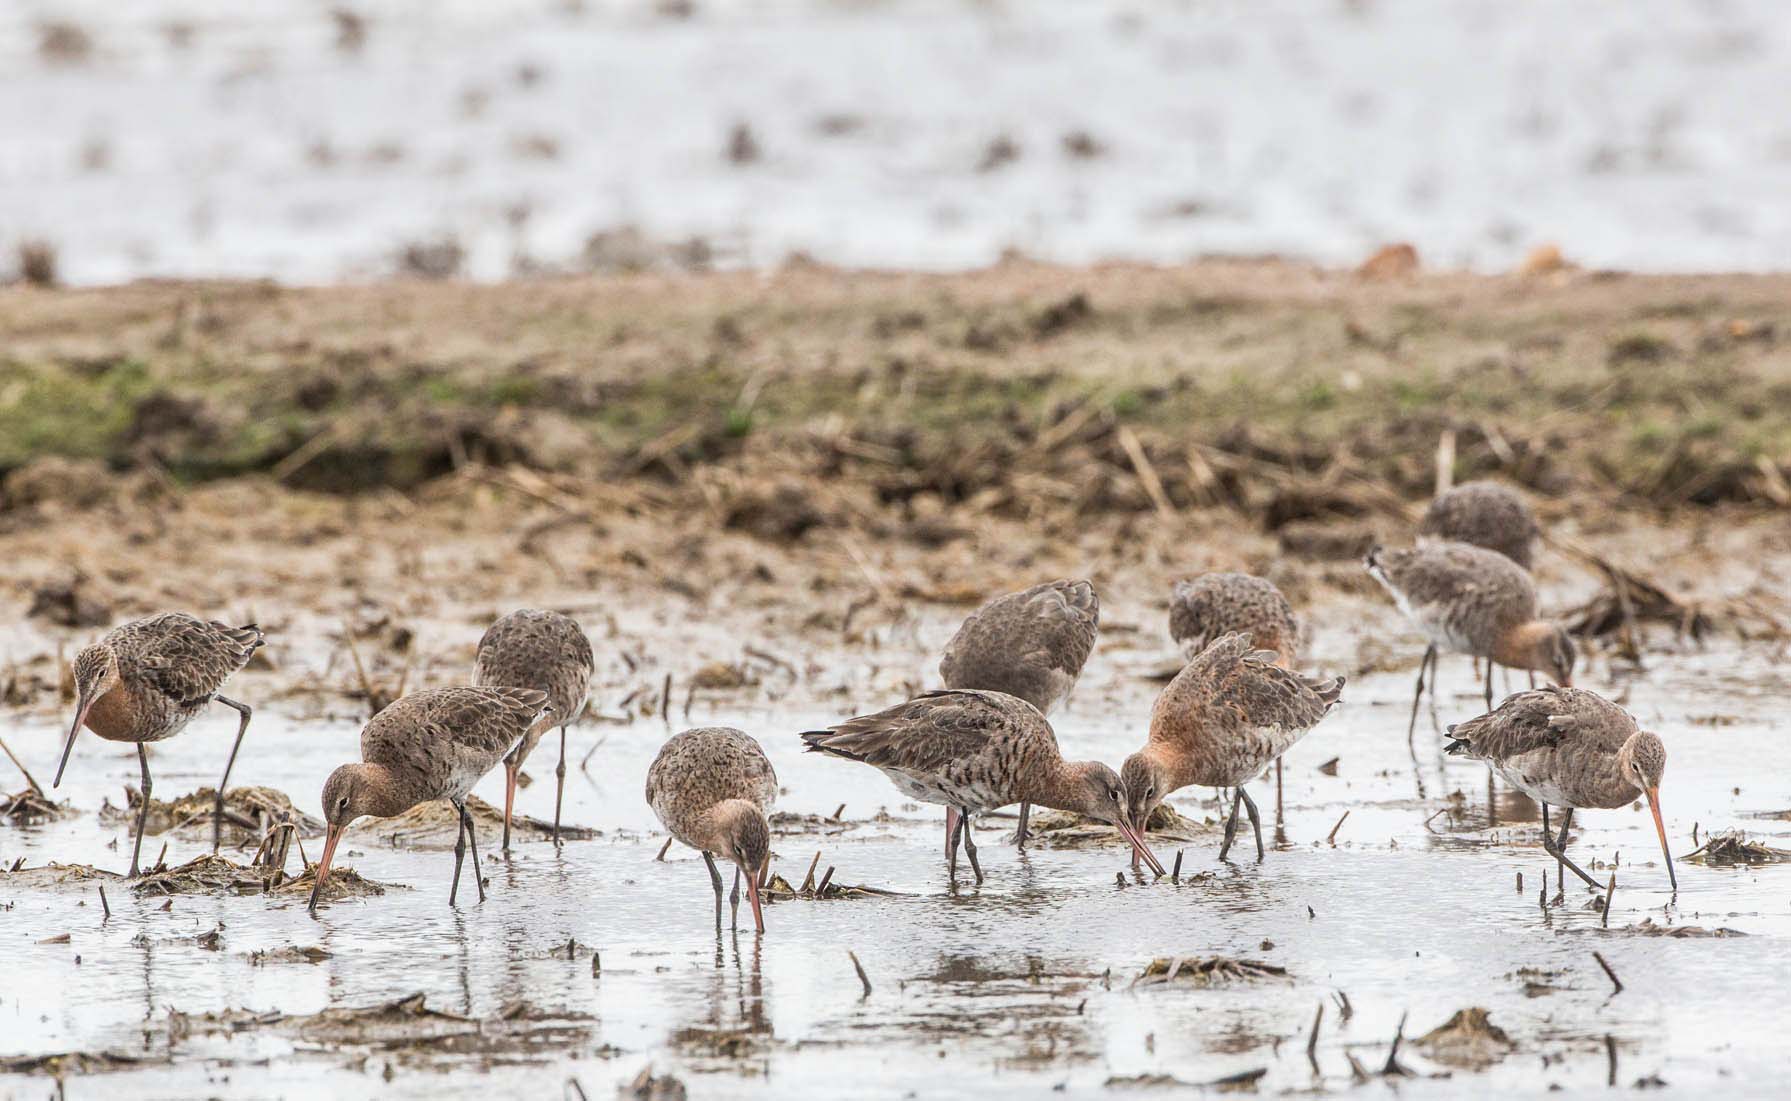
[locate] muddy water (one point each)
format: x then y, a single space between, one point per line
1021 986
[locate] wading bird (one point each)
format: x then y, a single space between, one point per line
1216 604
1573 749
145 680
548 652
975 752
1032 645
1224 718
429 745
1485 514
1470 600
712 788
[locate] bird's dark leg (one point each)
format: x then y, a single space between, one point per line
559 791
1558 849
1436 660
1231 824
142 814
217 812
472 842
969 845
459 857
734 901
1020 834
715 881
1490 666
1430 654
1566 821
1255 822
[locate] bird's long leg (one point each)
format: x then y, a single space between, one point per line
1566 822
143 814
459 857
1020 834
217 810
1558 849
734 901
715 881
969 845
1255 822
1436 660
1231 824
1430 654
953 823
1490 666
511 768
472 842
559 790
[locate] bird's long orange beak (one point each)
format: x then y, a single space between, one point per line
82 706
1138 846
1660 828
331 838
752 894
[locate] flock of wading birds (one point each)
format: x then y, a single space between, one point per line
978 744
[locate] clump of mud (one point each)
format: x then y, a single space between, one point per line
646 1087
55 875
343 883
30 808
1064 829
1735 848
436 825
1468 1040
248 814
403 1025
289 953
213 875
1208 971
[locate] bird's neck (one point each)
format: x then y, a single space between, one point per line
383 795
1517 647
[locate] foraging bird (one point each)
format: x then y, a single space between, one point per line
1216 604
1573 749
712 788
1032 645
1224 718
975 752
434 744
546 651
1470 600
145 680
1485 514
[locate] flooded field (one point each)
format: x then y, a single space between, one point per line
596 962
312 142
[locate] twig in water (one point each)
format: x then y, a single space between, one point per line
663 849
809 879
1344 1009
1616 983
1604 920
596 963
1312 1040
107 906
572 1086
1610 1055
1392 1065
840 813
1175 874
1520 883
826 878
665 700
29 779
862 977
1356 1070
1331 838
1119 880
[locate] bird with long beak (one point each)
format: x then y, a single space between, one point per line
547 651
975 752
429 745
1229 714
711 788
145 680
1573 749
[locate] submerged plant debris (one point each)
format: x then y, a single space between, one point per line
1647 928
248 814
30 807
1468 1039
1207 971
405 1023
1061 829
56 875
1736 848
211 875
71 1063
435 825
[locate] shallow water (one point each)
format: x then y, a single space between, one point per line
1022 985
253 144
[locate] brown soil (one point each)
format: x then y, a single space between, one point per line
1467 1039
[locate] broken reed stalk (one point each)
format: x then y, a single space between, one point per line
1604 919
1331 838
809 879
1616 983
1610 1055
1312 1040
29 779
1175 874
574 1086
104 905
826 878
665 700
1392 1065
663 849
862 977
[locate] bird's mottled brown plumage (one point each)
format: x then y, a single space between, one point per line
1215 604
1030 644
1569 748
712 788
547 651
974 751
1485 514
1470 600
434 744
145 680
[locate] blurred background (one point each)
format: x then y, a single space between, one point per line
314 142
